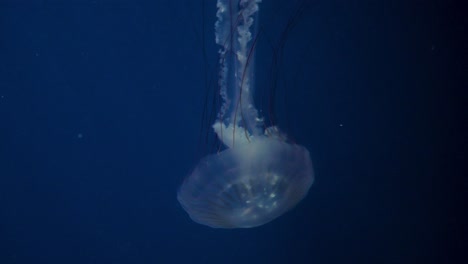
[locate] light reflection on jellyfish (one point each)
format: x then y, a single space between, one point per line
260 175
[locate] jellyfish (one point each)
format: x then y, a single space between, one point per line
259 175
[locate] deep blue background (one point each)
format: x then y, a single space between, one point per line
101 107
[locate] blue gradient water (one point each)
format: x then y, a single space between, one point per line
100 113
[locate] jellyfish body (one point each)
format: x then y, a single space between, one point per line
259 176
247 186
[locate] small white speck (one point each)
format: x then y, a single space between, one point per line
37 54
341 125
79 135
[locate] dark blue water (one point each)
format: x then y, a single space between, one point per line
101 108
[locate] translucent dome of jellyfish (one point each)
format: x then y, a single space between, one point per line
259 176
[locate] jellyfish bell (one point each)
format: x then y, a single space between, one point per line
260 174
247 185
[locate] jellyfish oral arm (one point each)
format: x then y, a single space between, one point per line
238 118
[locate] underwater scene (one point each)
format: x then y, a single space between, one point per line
232 131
